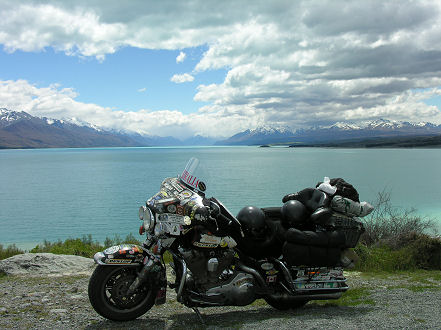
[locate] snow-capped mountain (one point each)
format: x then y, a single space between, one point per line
259 135
8 117
21 130
335 132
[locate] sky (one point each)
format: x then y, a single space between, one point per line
215 68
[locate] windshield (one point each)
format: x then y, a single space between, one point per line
192 175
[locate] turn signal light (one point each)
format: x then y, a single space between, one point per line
141 230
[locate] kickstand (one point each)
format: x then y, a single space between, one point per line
196 310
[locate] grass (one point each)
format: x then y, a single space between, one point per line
352 297
414 276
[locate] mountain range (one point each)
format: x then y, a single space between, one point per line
21 130
381 128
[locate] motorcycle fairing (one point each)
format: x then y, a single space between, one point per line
124 254
173 195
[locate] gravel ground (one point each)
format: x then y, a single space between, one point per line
386 303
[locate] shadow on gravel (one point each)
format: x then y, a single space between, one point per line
235 319
147 323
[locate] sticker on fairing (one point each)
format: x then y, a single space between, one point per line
166 200
112 249
204 245
175 229
118 261
186 194
173 218
171 208
187 220
210 239
271 278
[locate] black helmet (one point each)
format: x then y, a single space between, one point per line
294 212
252 220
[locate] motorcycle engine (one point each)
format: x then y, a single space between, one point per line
206 266
212 277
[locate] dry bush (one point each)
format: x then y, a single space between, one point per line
388 224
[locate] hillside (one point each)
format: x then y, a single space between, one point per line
380 142
19 130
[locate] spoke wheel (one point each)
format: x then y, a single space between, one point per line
108 293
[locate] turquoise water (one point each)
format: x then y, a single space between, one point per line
60 193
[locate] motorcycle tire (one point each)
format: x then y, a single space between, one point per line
285 303
107 293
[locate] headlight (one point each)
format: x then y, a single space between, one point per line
146 215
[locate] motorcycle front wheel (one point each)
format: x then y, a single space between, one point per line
108 287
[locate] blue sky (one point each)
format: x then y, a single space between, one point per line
216 68
130 79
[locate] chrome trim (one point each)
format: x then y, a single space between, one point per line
319 281
253 272
184 275
324 296
340 289
98 258
287 275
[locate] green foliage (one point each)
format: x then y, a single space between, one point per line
84 247
10 251
397 239
117 240
409 252
382 258
424 250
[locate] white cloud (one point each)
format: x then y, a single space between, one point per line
182 78
181 57
56 102
294 62
142 90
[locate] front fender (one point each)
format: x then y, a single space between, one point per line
124 254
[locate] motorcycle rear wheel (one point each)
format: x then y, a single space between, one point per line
107 290
285 303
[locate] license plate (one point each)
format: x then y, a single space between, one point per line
328 285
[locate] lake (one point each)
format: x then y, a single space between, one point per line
60 193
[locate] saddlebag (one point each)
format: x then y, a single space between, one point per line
317 249
351 227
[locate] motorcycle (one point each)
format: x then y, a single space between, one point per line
287 255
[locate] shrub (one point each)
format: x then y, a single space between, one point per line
10 251
116 240
424 250
84 246
383 258
387 223
397 239
81 247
